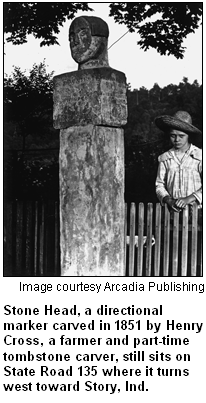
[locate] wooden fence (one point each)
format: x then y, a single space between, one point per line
157 242
31 238
161 243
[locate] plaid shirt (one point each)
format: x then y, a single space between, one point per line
180 179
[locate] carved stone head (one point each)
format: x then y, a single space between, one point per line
88 37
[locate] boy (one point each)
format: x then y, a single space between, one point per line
178 181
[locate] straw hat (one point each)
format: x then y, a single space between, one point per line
181 121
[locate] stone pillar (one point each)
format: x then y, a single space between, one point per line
90 109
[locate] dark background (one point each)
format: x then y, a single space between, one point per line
31 145
31 170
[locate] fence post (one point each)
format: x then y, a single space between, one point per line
184 259
19 238
140 240
132 239
149 239
9 232
56 239
200 240
28 239
175 244
194 240
36 228
158 227
125 238
42 239
166 242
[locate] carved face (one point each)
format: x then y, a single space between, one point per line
83 45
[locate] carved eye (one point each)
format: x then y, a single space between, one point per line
83 33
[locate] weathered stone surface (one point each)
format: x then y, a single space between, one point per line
92 201
96 96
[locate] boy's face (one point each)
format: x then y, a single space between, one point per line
179 139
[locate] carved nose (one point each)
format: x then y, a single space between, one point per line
76 39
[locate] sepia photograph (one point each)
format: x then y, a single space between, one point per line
103 125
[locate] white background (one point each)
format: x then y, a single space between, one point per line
182 307
142 69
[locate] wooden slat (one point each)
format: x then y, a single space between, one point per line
24 238
184 252
157 239
36 227
175 244
200 240
41 238
166 242
132 239
149 239
56 239
28 239
47 236
14 210
194 241
19 238
201 251
8 225
125 238
49 251
8 235
140 240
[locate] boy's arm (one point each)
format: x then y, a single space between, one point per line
161 191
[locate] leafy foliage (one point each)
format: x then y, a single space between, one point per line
162 26
32 175
32 171
28 103
172 23
41 19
